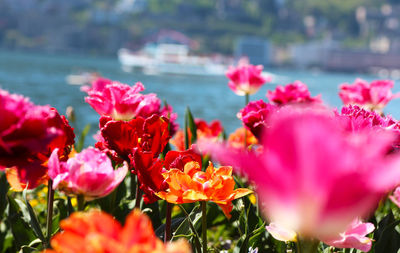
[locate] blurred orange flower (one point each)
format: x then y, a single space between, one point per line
236 139
192 184
210 131
99 232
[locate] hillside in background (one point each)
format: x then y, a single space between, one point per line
104 26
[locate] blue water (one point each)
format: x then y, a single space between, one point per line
42 78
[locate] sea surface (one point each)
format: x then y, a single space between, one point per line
43 78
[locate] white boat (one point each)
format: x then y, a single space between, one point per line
172 59
82 78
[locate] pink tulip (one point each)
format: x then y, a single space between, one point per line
97 85
123 102
313 177
372 96
89 173
353 237
246 79
296 92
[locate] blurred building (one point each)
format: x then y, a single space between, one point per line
258 50
311 54
380 28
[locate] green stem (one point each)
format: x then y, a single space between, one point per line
204 225
50 200
132 185
81 202
138 196
247 98
196 235
307 245
70 208
167 235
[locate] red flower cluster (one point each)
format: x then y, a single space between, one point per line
138 141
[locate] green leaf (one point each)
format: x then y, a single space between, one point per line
192 125
7 244
33 220
186 131
22 232
256 236
386 236
166 149
190 222
82 138
175 223
205 161
110 202
214 215
60 213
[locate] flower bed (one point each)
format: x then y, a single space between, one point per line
299 176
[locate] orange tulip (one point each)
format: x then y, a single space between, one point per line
236 139
192 184
99 232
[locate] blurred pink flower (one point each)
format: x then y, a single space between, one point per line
313 177
280 233
123 102
396 196
296 92
89 173
355 236
354 119
246 78
255 114
372 96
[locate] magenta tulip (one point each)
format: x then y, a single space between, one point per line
313 177
372 96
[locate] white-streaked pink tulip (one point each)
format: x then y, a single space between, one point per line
246 78
88 173
123 102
